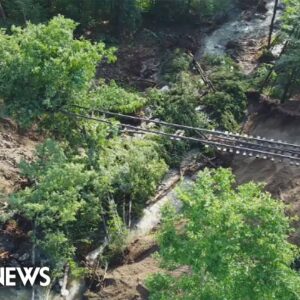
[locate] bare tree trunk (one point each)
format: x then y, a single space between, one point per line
129 213
64 292
202 73
272 23
2 12
288 86
265 82
124 211
33 259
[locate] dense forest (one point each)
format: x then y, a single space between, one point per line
62 70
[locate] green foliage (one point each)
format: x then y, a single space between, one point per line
44 68
57 246
114 98
172 151
173 64
21 11
62 202
117 231
195 11
119 16
259 75
134 168
285 79
178 105
227 106
233 239
72 196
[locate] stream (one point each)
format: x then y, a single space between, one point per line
215 44
239 28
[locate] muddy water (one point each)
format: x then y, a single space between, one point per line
152 214
76 290
236 30
215 44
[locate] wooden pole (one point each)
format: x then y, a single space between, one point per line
272 24
2 12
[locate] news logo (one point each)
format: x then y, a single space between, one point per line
10 276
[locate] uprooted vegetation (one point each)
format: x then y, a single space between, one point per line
88 182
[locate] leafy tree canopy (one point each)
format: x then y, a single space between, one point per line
43 67
233 239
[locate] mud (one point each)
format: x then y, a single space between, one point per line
281 179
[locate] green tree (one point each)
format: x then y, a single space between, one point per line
233 239
228 104
43 68
73 201
284 77
63 203
134 169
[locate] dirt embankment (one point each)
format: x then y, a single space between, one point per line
128 280
14 147
278 122
139 61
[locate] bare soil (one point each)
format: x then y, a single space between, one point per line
14 147
128 280
282 180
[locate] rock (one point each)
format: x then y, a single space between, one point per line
262 7
165 89
13 263
219 46
91 296
143 291
64 292
233 45
24 257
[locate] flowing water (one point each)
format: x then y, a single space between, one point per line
152 214
238 29
215 43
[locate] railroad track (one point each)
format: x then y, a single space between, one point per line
239 144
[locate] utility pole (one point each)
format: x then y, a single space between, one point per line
272 23
2 12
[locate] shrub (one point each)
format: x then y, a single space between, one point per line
173 64
114 98
134 168
61 202
227 106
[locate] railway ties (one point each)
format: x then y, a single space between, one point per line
234 143
257 147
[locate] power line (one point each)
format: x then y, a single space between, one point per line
212 135
221 146
242 138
